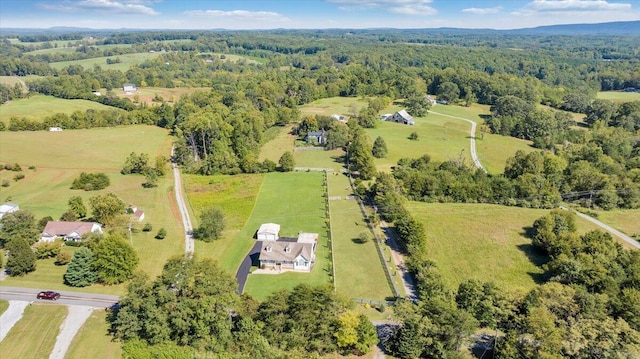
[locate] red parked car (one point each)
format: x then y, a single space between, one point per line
49 295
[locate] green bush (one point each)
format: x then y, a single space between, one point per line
63 258
161 233
44 250
147 227
91 181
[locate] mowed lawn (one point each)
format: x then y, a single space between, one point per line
59 157
618 96
345 106
34 335
483 242
295 201
126 61
92 340
236 197
38 107
333 159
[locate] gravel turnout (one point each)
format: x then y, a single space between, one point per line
11 316
78 314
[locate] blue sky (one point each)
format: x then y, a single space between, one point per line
270 14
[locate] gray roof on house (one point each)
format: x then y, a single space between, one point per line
316 133
404 114
278 250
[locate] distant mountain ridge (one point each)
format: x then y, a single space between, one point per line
607 28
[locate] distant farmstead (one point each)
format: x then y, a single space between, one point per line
129 88
402 117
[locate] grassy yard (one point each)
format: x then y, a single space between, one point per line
466 243
38 107
4 304
92 340
320 159
45 189
618 96
295 201
624 220
126 61
236 196
34 335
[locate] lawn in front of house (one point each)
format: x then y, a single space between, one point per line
295 201
38 107
4 304
93 340
465 242
34 335
332 159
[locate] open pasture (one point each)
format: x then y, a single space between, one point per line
618 96
148 94
279 141
38 107
345 106
234 58
126 61
466 243
34 335
624 220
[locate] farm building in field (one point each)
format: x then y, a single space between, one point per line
338 118
298 254
402 117
69 231
7 208
55 129
137 213
316 137
129 88
268 232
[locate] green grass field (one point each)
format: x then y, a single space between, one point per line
280 141
12 80
148 94
627 220
466 242
45 190
34 335
38 107
618 96
320 159
294 200
4 304
92 340
236 196
345 106
126 61
235 58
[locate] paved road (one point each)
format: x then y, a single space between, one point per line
189 246
245 267
606 227
67 298
472 138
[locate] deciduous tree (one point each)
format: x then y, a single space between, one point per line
115 260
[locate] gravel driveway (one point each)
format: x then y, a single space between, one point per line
76 317
11 316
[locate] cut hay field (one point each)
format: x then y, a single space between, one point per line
483 242
344 106
279 141
235 58
34 335
294 200
38 107
13 80
170 95
126 61
236 197
618 96
59 157
92 340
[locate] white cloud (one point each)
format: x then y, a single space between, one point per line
129 7
483 11
239 14
404 7
575 5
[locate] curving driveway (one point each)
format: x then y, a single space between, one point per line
472 138
245 267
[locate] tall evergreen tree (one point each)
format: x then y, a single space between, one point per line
80 272
379 148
